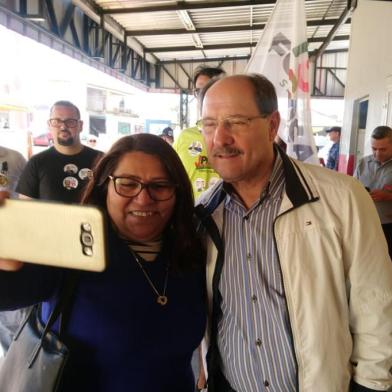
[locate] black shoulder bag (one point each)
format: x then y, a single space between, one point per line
36 358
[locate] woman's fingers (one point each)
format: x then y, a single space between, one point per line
10 265
3 195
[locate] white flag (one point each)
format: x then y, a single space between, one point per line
281 55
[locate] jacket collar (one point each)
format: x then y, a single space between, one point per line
298 186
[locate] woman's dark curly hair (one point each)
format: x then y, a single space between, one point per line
180 236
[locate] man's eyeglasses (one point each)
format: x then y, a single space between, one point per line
196 92
231 123
69 122
157 190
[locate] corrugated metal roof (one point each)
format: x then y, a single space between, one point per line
195 24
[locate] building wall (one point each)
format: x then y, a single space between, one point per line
369 66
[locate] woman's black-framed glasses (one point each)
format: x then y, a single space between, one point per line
130 187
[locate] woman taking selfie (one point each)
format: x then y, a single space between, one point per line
133 327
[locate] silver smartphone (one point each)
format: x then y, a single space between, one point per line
56 234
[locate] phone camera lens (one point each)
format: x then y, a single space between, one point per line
87 239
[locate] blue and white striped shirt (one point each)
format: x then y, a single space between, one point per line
254 335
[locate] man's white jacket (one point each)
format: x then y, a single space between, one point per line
337 277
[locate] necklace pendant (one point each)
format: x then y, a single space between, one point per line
3 180
162 300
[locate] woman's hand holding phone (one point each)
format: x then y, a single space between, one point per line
8 265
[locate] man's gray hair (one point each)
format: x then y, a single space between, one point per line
264 92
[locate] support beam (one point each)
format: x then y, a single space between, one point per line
115 57
23 8
232 58
185 72
53 25
23 12
43 34
157 76
102 51
135 63
124 57
128 56
74 33
171 76
222 29
228 46
313 52
89 8
331 36
67 18
180 5
205 60
335 77
143 64
86 34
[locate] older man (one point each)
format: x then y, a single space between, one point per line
300 298
375 173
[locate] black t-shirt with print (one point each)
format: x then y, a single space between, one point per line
51 175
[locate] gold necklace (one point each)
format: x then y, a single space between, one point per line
161 298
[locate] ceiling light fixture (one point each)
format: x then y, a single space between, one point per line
186 20
197 41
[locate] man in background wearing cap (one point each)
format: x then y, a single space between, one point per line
190 144
167 135
375 173
333 155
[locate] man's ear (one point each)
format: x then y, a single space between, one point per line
80 126
274 125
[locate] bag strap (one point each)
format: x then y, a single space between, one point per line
204 214
62 307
